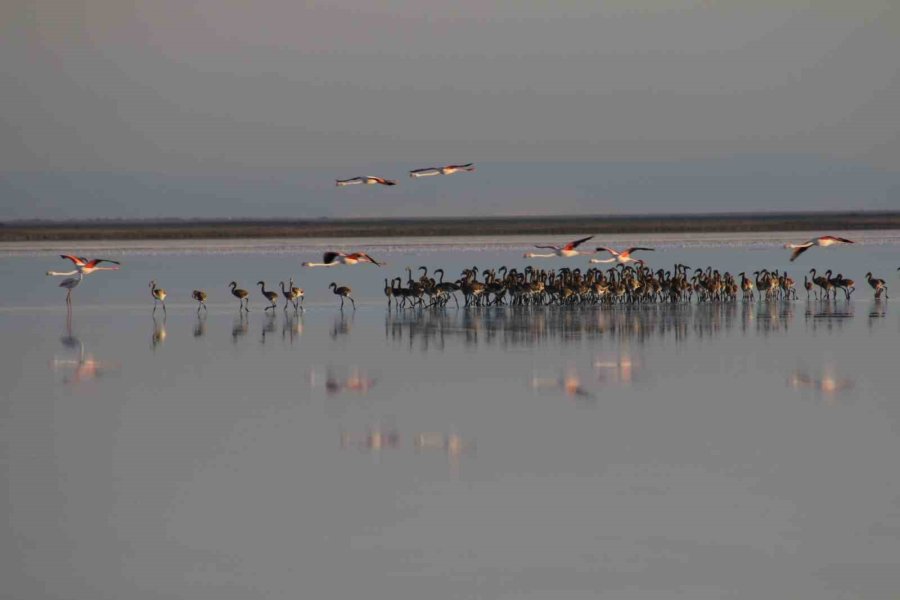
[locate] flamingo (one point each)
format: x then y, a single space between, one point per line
292 294
200 297
879 285
343 292
823 241
158 294
85 266
619 257
368 180
271 296
446 170
70 284
330 259
567 251
240 295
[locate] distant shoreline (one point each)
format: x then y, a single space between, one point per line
24 231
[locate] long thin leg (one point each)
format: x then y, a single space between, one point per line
164 307
353 302
342 303
154 305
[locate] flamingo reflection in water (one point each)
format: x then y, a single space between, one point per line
828 385
451 443
84 368
569 382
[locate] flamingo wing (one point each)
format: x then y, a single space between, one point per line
632 249
329 257
605 249
547 247
383 181
466 166
372 260
798 251
79 261
576 243
97 261
837 239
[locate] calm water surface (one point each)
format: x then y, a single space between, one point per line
745 450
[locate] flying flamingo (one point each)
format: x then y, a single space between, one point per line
85 266
567 251
369 180
823 241
330 259
619 257
447 170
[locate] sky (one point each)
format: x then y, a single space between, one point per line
226 108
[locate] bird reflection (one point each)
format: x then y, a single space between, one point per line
239 327
83 368
452 444
523 326
828 384
200 324
341 325
616 369
268 326
877 310
355 381
292 326
830 315
567 382
159 332
376 438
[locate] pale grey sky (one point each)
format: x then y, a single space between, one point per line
233 108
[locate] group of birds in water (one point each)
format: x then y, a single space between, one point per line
414 174
629 281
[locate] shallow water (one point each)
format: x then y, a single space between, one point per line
744 450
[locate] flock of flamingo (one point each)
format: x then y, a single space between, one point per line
628 281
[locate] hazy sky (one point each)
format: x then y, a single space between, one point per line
202 100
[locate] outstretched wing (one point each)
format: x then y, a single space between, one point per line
838 239
605 249
383 181
79 261
547 247
798 251
372 260
97 261
576 243
630 250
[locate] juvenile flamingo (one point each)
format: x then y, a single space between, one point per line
70 284
241 295
271 296
158 294
567 251
823 241
200 297
331 259
343 292
879 285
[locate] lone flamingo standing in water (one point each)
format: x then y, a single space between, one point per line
70 284
343 292
567 251
158 294
823 241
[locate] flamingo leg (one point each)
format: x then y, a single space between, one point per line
352 301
